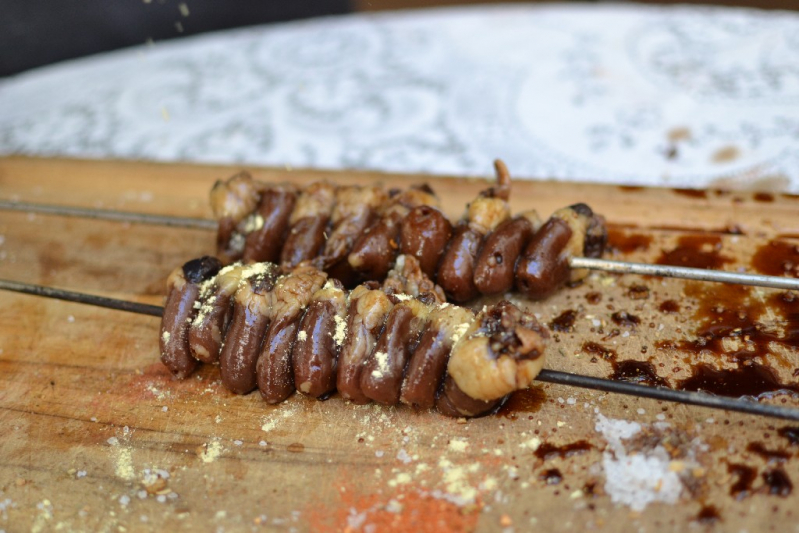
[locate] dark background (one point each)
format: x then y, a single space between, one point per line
39 32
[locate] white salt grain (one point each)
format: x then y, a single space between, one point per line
636 479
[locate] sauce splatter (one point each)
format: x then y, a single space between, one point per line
638 292
777 258
551 476
765 453
623 318
593 297
744 478
777 482
523 401
669 306
790 433
625 243
691 193
596 349
641 372
708 514
547 451
696 251
564 321
753 380
763 197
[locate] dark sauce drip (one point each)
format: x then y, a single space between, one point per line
744 478
765 453
547 452
551 476
630 188
523 401
790 433
708 514
777 258
669 306
696 251
753 380
564 321
641 372
763 197
777 482
623 318
691 193
626 243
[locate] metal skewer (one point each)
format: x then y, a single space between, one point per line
108 214
548 376
606 265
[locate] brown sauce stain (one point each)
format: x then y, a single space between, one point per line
626 243
547 451
669 306
728 313
594 298
777 258
564 321
551 476
769 455
296 447
523 401
790 433
596 349
726 154
744 478
708 514
763 197
696 251
641 372
638 292
623 318
777 483
754 380
691 193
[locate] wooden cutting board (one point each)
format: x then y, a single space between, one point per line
97 436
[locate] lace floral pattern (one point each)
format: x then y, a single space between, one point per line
678 96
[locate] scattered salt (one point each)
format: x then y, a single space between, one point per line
80 474
635 479
403 456
124 500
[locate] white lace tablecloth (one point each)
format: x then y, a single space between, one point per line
681 96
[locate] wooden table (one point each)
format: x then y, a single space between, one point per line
98 437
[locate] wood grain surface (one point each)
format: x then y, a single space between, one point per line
97 436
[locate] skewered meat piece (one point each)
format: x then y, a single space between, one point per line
488 252
390 344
